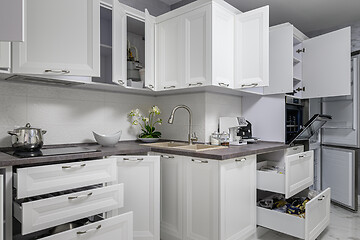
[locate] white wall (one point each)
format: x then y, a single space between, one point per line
206 109
69 115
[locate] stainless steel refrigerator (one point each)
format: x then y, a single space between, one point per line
338 165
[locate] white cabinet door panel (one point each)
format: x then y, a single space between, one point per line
4 56
141 177
119 44
281 60
198 47
149 50
252 48
61 38
327 65
12 20
201 199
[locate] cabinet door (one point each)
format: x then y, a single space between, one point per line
119 43
4 56
327 65
171 183
339 168
197 47
252 48
238 198
61 38
149 50
222 47
141 178
12 21
201 199
169 54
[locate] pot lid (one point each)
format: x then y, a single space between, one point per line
27 127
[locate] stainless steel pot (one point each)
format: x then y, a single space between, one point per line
27 138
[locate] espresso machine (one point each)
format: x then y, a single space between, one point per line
238 128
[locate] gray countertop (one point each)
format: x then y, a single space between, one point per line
134 148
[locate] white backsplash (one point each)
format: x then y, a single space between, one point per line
70 115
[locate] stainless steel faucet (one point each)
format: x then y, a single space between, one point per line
191 138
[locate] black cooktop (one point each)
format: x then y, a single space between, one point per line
51 152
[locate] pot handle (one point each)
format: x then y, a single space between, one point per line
43 131
12 133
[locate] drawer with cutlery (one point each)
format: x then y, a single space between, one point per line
289 174
33 181
45 211
308 225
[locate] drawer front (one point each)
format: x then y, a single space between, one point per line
317 214
45 213
119 227
294 150
299 172
34 181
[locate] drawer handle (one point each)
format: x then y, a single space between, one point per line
321 198
88 231
250 85
121 82
133 159
56 71
240 160
302 156
195 84
80 196
223 84
74 166
151 86
199 161
169 87
166 156
295 148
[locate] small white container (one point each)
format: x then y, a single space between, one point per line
107 140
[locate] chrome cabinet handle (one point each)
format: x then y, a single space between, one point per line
224 84
195 84
73 166
302 156
295 148
121 82
240 160
169 87
90 230
133 159
249 85
321 198
199 161
150 86
80 196
58 71
166 156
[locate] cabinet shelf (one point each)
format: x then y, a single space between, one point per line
296 60
106 50
297 79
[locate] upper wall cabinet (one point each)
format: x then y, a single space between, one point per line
12 20
4 56
60 38
209 42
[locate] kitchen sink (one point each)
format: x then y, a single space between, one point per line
185 146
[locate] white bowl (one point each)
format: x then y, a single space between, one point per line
107 140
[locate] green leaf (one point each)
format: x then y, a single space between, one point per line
156 134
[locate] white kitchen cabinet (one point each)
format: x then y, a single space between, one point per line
171 182
12 20
60 38
237 198
141 176
197 59
201 199
149 51
205 199
169 51
119 227
252 48
5 57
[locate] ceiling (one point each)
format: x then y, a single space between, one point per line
306 15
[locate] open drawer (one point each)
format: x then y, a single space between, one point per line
298 175
32 181
317 218
119 227
49 212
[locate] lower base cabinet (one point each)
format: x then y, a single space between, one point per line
141 178
203 199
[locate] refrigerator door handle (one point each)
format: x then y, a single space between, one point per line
355 93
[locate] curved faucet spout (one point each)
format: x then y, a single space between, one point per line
172 115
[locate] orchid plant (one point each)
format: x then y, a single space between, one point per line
147 124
